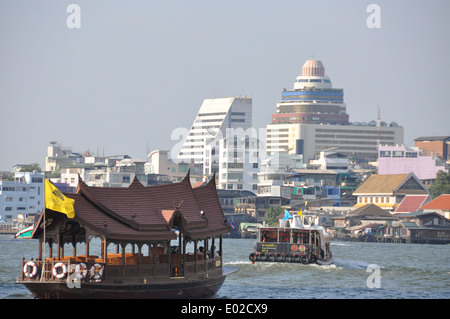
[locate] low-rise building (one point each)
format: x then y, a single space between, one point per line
388 191
23 195
238 163
400 159
440 205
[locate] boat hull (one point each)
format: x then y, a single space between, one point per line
174 288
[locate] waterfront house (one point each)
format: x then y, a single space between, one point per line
365 220
439 205
422 227
388 191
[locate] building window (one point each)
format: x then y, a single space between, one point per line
255 165
126 179
385 153
398 154
411 154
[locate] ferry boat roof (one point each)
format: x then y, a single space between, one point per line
147 213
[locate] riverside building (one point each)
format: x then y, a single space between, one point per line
312 117
23 195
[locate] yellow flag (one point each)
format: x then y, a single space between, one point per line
300 213
306 203
55 200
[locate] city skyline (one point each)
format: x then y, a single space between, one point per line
135 71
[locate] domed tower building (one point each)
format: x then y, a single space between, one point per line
312 118
313 99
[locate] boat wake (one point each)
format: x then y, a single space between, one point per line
349 264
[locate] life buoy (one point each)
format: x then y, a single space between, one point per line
81 270
33 272
252 257
304 260
61 274
96 271
301 248
279 257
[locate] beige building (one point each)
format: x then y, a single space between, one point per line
388 191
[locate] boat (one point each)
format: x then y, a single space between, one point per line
162 241
25 233
292 242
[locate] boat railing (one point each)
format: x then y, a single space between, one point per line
61 270
94 269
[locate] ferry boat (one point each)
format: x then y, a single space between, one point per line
292 242
151 244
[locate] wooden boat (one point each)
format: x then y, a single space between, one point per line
151 240
292 242
25 233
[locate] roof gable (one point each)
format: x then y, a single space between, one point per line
442 202
391 184
412 203
370 210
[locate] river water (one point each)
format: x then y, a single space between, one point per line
359 271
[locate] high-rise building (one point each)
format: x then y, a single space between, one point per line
312 118
217 119
313 100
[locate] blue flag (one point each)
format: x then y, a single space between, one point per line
286 215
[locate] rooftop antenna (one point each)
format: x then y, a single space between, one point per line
379 125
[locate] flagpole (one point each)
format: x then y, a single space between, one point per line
43 255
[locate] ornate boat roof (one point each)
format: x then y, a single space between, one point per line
148 212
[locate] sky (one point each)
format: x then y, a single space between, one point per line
136 70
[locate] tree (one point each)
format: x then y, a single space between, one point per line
272 214
31 168
441 184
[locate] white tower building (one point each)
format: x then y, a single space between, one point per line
216 119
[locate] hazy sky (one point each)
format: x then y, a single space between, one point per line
136 70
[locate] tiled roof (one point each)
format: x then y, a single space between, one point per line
412 203
390 184
442 202
148 213
371 210
381 184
